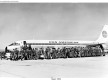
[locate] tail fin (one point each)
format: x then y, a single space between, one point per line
103 38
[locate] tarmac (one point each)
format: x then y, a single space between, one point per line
86 67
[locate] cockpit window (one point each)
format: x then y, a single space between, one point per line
14 44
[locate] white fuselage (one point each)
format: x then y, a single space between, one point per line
103 40
49 43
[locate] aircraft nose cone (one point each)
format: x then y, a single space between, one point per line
9 48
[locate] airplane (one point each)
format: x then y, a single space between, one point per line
102 41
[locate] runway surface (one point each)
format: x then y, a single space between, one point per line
88 67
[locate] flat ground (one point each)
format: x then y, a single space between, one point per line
88 67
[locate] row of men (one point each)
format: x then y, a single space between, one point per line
53 53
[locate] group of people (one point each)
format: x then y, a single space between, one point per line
55 53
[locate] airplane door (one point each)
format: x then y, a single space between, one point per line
25 43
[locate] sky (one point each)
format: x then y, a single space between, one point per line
51 21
